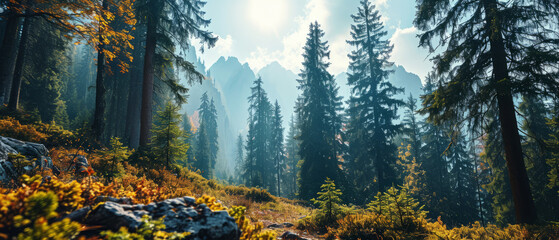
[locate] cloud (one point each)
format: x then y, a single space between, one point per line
338 54
290 56
407 52
223 47
381 3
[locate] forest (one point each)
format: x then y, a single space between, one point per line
114 124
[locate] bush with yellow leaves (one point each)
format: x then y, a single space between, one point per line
25 214
250 231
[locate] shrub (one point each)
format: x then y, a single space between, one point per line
359 226
249 230
10 127
399 207
110 161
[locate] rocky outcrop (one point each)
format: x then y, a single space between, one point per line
180 215
34 152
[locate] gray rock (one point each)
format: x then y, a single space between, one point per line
180 216
35 152
291 236
287 225
113 216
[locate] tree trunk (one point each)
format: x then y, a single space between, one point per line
147 83
133 110
132 131
7 58
18 71
99 114
523 202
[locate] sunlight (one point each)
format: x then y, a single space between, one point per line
268 15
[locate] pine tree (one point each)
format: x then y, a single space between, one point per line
203 154
372 107
240 177
45 72
208 121
462 179
536 130
258 140
168 23
498 186
167 143
493 51
276 145
189 140
435 143
412 127
553 144
319 122
291 160
329 201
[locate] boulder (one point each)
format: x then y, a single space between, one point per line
181 215
35 152
291 236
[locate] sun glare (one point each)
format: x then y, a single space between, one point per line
268 15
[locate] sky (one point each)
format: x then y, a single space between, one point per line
262 31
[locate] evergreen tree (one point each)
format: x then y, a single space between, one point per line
212 131
258 140
240 177
372 107
208 121
167 143
498 185
536 131
168 23
493 51
46 72
276 145
188 139
412 127
291 160
203 153
462 179
329 201
435 143
553 144
319 122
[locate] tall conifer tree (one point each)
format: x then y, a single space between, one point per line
320 124
371 105
491 51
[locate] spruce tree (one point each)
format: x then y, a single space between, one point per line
170 24
536 131
498 185
462 180
412 127
240 177
208 121
291 160
189 140
553 144
372 107
276 145
319 122
258 148
490 52
203 154
435 143
167 143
